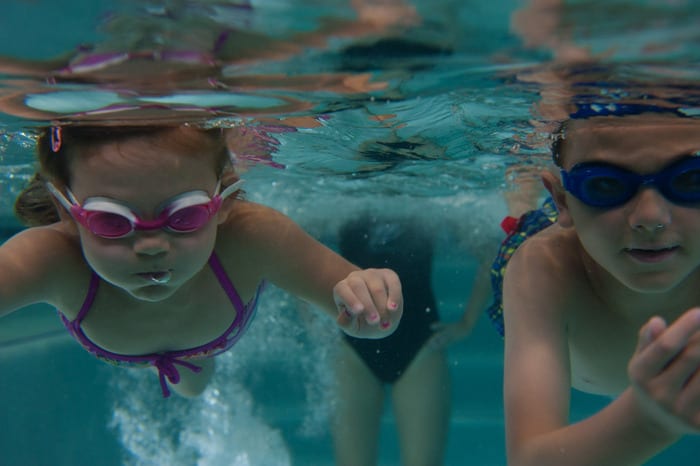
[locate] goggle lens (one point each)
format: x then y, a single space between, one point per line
606 190
107 218
606 186
686 185
108 224
188 219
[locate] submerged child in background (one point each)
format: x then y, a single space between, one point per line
144 210
411 361
605 299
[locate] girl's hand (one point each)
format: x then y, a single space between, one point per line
665 373
446 333
369 303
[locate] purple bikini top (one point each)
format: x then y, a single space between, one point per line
166 361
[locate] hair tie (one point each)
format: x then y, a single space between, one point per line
56 139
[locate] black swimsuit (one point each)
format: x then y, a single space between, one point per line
372 243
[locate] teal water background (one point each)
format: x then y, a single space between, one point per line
458 121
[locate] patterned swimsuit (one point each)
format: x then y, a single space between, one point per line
518 230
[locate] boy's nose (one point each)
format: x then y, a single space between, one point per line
151 243
650 210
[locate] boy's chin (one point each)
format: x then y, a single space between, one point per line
659 284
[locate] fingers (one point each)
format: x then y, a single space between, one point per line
682 368
369 301
659 345
689 399
649 332
446 334
665 371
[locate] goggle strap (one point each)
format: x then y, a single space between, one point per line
231 189
100 204
189 199
565 180
58 195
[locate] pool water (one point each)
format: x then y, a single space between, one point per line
65 408
425 124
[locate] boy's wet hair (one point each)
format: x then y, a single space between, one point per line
56 146
557 146
584 110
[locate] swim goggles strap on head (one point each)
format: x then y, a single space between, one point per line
108 218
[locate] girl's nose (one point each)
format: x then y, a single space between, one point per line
151 243
649 211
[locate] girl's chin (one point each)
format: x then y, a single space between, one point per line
153 293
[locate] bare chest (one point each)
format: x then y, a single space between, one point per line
599 352
193 316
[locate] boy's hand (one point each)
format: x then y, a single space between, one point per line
665 372
369 302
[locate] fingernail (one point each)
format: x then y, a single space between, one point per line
373 317
344 310
392 305
385 325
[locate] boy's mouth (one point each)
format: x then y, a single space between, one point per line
651 255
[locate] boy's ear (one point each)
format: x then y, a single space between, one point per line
553 184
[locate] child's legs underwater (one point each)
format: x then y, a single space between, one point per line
421 400
421 405
360 400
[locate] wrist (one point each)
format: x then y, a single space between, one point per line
652 418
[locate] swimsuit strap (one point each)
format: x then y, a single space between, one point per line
226 284
89 299
166 362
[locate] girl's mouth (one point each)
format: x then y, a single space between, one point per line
652 256
159 278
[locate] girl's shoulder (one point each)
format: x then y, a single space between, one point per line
48 259
254 240
253 222
49 242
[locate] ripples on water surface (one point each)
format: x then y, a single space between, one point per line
435 108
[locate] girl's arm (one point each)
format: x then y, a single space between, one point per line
366 303
447 333
33 268
537 381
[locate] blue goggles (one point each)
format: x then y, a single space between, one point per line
599 184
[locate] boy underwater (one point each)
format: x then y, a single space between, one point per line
604 300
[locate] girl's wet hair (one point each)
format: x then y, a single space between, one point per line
56 146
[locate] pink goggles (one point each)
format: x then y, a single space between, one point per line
107 218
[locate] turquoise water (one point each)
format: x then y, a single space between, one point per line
450 111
